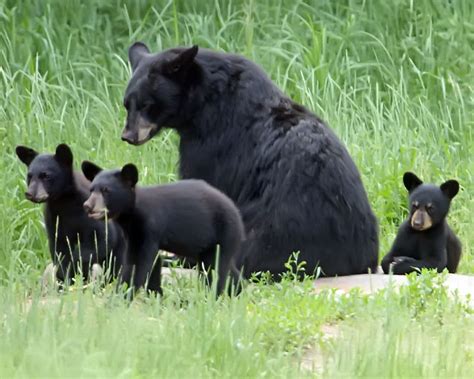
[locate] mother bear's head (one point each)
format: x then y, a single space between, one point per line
157 91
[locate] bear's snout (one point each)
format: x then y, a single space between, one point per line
421 220
129 137
36 192
87 207
94 206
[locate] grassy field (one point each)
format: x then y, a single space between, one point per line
395 81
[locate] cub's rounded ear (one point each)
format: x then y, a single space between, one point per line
90 170
64 155
450 188
136 52
411 181
129 174
26 154
181 62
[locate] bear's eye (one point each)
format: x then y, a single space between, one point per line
104 190
415 205
43 176
28 177
140 107
144 107
429 208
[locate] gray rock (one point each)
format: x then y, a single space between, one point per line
370 283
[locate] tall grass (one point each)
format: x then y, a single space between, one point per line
393 79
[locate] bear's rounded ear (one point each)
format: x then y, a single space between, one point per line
26 154
136 52
411 181
64 155
90 170
181 62
450 188
129 174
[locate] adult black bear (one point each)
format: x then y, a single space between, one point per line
75 241
425 239
188 218
291 177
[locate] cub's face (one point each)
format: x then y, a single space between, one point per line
429 204
154 94
112 192
428 207
49 175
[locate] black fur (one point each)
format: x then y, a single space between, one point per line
290 176
188 218
436 247
74 239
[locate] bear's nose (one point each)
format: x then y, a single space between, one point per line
128 136
417 223
87 207
126 139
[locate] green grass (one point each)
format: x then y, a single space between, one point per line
394 80
265 332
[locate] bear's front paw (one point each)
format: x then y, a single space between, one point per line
398 260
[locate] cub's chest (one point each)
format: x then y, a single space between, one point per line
422 244
73 226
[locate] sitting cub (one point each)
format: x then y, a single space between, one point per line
425 239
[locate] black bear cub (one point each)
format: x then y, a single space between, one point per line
75 241
425 239
188 218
